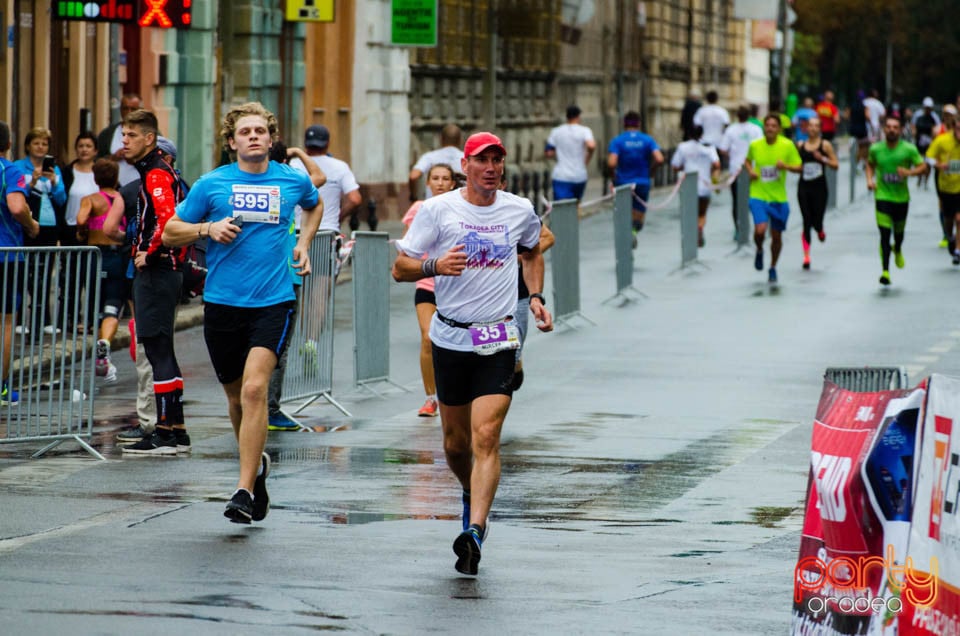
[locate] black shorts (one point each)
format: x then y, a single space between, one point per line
950 203
230 333
896 211
156 294
114 284
463 376
424 296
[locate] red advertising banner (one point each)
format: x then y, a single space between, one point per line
842 562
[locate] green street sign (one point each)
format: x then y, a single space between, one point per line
413 23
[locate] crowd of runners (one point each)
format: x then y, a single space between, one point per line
474 251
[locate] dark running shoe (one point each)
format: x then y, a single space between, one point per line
240 507
758 261
467 548
772 275
183 440
261 500
156 444
133 434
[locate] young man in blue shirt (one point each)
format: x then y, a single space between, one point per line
630 156
246 209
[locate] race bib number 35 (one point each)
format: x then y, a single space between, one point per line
493 337
257 203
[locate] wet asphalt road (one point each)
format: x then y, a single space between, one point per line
654 465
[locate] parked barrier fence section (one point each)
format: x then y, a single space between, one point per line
831 175
48 393
372 258
309 372
867 379
744 222
565 260
623 237
853 169
688 219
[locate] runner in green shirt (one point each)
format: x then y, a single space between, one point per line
768 161
889 164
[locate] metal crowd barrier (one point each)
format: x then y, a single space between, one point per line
565 261
688 219
51 369
308 375
867 379
623 241
372 258
744 222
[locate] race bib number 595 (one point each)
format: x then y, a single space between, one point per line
257 203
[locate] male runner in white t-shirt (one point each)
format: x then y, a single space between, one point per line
449 153
572 145
475 231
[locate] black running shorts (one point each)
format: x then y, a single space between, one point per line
463 376
230 333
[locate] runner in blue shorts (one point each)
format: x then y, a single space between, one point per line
630 156
768 161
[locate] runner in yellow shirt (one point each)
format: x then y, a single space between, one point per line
768 161
944 155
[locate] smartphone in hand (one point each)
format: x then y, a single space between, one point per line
48 163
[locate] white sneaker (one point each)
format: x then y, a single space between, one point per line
50 330
111 375
20 330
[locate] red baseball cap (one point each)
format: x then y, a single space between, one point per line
479 142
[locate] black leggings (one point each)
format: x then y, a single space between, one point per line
813 205
167 380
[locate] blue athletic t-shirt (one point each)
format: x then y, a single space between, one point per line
11 232
634 150
253 270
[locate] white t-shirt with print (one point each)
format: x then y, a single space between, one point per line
713 119
736 141
693 156
340 181
449 155
487 288
570 141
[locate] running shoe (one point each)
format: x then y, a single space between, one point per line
157 444
8 397
758 261
956 257
633 244
103 357
261 500
467 548
898 260
280 421
885 278
944 243
183 440
133 434
822 236
429 408
806 260
20 330
772 275
240 507
110 377
700 240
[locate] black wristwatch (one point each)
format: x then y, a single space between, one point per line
538 296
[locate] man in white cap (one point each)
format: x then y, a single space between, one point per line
471 236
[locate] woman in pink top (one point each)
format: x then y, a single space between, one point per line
114 285
440 179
